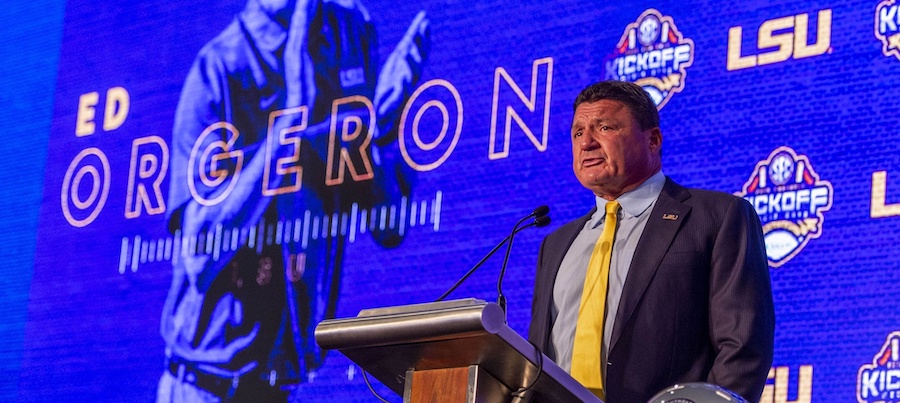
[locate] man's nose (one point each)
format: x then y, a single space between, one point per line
586 142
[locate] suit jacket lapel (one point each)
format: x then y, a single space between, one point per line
556 253
655 240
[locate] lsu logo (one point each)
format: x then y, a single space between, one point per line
791 40
652 54
777 391
887 27
789 198
880 381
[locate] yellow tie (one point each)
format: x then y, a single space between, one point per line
592 313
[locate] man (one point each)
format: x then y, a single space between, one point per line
255 200
686 294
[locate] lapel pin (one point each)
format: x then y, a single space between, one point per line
670 217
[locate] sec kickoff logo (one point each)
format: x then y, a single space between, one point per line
652 54
789 198
887 27
880 381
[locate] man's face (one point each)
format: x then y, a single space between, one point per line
610 153
276 5
279 10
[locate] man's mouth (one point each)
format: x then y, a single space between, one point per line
594 161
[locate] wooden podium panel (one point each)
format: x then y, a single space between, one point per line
453 385
437 385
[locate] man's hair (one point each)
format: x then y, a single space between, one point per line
632 95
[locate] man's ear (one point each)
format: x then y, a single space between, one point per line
656 140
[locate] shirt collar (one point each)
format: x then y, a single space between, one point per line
266 34
635 202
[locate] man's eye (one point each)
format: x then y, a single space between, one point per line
577 134
605 128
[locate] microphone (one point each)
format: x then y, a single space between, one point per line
540 220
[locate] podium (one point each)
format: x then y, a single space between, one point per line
452 351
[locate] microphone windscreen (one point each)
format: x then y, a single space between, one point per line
542 221
541 211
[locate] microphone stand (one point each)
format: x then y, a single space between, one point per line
540 220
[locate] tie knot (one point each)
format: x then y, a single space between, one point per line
612 207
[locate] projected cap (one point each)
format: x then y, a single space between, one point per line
696 393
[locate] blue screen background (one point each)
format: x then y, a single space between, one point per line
75 326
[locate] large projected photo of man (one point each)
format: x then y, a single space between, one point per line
285 117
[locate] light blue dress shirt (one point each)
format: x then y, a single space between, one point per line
633 216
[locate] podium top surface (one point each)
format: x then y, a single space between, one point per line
386 342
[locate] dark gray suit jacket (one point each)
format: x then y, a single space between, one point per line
696 304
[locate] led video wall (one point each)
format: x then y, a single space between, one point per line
221 176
